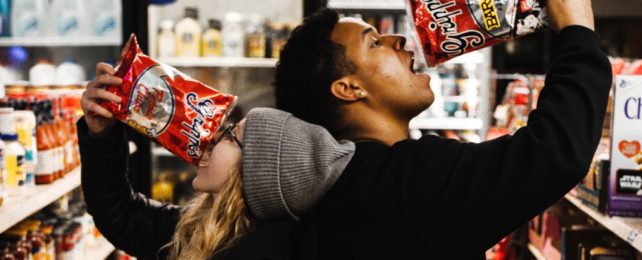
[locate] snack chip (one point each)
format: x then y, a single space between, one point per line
174 110
449 28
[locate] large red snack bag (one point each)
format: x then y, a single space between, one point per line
174 110
449 28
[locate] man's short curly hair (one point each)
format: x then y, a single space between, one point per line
309 63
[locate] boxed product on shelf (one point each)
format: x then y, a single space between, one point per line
583 241
593 189
544 231
625 181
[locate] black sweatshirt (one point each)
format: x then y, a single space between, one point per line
435 198
141 226
426 199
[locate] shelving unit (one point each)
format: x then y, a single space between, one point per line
446 123
101 250
536 253
368 5
18 207
45 41
628 229
21 206
220 62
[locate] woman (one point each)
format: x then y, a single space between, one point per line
287 165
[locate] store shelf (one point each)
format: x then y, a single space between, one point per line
536 253
21 206
101 250
367 5
476 57
446 123
51 41
626 228
220 62
160 151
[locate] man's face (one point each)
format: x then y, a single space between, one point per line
384 68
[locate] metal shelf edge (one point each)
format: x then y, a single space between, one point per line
627 229
18 207
52 41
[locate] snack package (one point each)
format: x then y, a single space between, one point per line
625 180
174 110
449 28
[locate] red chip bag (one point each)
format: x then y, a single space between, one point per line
174 110
449 28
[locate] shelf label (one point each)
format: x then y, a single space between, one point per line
633 234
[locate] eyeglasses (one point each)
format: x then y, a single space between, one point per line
228 132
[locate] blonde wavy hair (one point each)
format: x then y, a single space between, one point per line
211 222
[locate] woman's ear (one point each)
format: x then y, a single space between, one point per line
347 89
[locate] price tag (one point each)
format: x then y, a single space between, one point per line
633 234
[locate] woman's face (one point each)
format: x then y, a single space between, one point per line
223 161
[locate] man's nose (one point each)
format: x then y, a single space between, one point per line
399 42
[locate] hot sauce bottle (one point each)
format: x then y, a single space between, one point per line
45 167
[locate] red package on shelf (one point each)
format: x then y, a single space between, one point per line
450 28
174 110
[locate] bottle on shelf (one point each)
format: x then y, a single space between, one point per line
42 74
14 153
105 16
45 168
188 34
255 37
212 39
449 88
163 189
166 39
5 17
233 40
28 18
279 39
69 73
26 130
3 176
68 18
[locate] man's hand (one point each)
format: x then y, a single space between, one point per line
564 13
100 120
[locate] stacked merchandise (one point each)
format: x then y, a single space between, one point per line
38 138
614 186
230 38
63 18
562 232
519 100
61 231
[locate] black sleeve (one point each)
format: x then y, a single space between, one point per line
478 193
133 223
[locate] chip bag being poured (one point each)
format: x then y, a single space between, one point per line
449 28
174 110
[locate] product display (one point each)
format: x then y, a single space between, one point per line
447 29
212 40
188 34
625 180
28 18
171 108
61 231
233 36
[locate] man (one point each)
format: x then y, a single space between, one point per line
434 198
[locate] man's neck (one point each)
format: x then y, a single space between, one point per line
386 130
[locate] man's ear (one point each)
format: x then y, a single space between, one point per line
347 89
